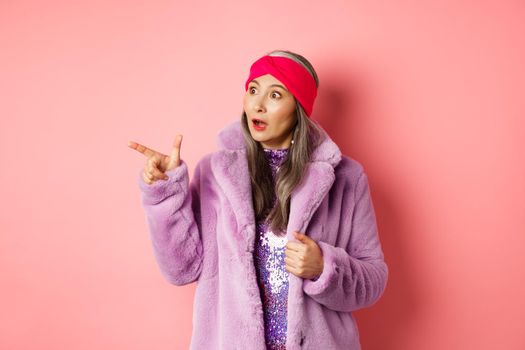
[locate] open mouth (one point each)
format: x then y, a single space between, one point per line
258 124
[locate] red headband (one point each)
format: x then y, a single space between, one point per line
292 74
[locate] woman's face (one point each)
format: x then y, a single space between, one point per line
268 101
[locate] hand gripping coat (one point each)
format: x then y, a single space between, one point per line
204 231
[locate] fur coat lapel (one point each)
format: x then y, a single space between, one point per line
230 168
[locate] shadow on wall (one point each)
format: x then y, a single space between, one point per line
341 110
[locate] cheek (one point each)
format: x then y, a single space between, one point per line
281 113
285 113
285 120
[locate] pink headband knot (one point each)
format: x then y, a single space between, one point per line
295 77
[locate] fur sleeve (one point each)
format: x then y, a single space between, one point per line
355 277
172 213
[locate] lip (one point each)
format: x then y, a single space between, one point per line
258 127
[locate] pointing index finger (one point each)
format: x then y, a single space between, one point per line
148 152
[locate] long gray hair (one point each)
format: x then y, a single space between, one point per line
306 136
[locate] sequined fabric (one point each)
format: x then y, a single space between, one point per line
272 275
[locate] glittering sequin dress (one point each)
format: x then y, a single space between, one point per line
272 275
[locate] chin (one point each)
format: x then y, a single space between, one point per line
258 138
256 135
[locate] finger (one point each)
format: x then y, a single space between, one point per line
298 247
292 254
289 263
146 178
157 174
301 237
290 266
148 152
153 168
153 162
296 261
175 152
148 174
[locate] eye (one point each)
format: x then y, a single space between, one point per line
250 89
275 92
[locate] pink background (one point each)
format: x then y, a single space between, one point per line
428 96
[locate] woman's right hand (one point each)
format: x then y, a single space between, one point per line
158 163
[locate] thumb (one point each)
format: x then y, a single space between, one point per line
301 236
175 153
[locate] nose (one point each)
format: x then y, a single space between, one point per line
259 104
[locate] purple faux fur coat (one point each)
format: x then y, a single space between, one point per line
204 231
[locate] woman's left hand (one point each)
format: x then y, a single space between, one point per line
304 259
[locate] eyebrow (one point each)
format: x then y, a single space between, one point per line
277 85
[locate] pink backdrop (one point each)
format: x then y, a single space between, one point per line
427 96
